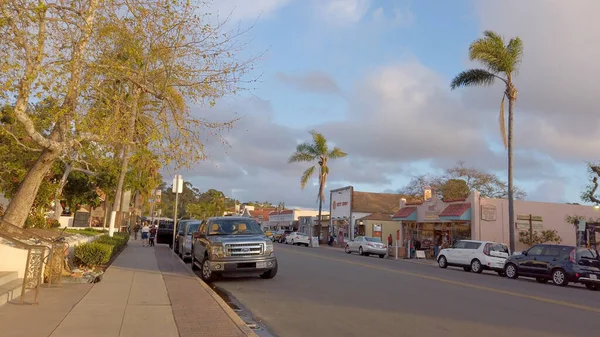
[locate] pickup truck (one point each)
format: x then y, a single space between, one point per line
232 245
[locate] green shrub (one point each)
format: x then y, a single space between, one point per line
93 254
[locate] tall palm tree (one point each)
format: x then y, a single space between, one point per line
501 61
316 152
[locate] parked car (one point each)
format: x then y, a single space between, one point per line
297 238
475 256
164 233
184 238
559 263
224 245
283 235
367 246
180 226
269 234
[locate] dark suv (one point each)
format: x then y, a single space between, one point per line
561 264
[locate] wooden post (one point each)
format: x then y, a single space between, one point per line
530 230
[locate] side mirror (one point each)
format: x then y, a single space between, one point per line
524 253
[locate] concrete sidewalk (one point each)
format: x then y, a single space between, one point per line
137 297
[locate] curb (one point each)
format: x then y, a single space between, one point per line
232 315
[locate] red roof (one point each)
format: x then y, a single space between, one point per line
287 211
404 212
455 209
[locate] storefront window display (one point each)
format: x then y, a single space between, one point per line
431 237
341 229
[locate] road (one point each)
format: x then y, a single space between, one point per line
324 292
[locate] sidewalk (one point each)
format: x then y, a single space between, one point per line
145 292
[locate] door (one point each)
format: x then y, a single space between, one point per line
468 253
528 264
200 242
356 243
453 255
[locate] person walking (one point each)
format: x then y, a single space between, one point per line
136 229
145 231
390 240
152 235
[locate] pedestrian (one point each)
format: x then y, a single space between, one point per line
331 238
136 229
145 230
390 240
152 235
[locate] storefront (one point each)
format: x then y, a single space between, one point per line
438 222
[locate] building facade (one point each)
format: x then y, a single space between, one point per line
442 222
347 207
288 218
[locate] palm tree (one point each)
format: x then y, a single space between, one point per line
502 62
318 153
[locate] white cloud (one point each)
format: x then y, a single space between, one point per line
398 17
239 10
556 111
342 11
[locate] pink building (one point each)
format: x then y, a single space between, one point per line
442 222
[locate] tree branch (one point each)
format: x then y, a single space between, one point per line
19 142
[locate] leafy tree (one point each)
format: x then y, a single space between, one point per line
488 184
545 236
211 203
454 189
501 61
316 152
589 195
136 55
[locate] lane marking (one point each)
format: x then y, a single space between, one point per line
447 281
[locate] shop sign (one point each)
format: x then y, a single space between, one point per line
488 212
526 217
340 203
524 226
432 212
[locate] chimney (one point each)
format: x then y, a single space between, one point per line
402 203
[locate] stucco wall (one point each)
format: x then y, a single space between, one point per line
387 228
553 217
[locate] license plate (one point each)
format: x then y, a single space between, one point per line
593 277
261 265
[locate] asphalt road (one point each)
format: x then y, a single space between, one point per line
324 292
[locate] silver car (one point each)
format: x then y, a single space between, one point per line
367 246
185 239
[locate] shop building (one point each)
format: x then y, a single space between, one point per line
288 218
442 222
356 213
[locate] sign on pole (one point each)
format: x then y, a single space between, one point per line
178 184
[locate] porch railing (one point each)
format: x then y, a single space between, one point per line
40 251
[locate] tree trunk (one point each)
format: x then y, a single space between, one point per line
125 160
20 204
511 209
63 181
321 195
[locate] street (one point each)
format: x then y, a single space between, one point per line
324 292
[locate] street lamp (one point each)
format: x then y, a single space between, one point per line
177 188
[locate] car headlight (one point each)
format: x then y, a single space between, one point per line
268 247
217 251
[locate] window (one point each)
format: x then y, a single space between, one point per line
192 227
498 247
589 254
535 250
553 251
459 245
472 245
234 227
373 239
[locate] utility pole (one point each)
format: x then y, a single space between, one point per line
530 230
177 188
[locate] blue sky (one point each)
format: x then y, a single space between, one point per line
373 76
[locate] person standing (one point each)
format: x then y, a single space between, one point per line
390 240
152 235
145 231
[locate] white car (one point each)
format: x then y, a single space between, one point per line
367 246
475 256
297 238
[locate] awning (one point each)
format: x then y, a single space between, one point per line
457 212
406 214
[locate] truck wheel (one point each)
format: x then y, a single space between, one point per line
269 274
205 273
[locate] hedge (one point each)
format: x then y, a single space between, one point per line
100 251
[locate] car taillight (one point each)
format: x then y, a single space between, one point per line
486 249
572 256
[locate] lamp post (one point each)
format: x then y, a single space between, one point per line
177 188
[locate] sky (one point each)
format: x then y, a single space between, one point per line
373 76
